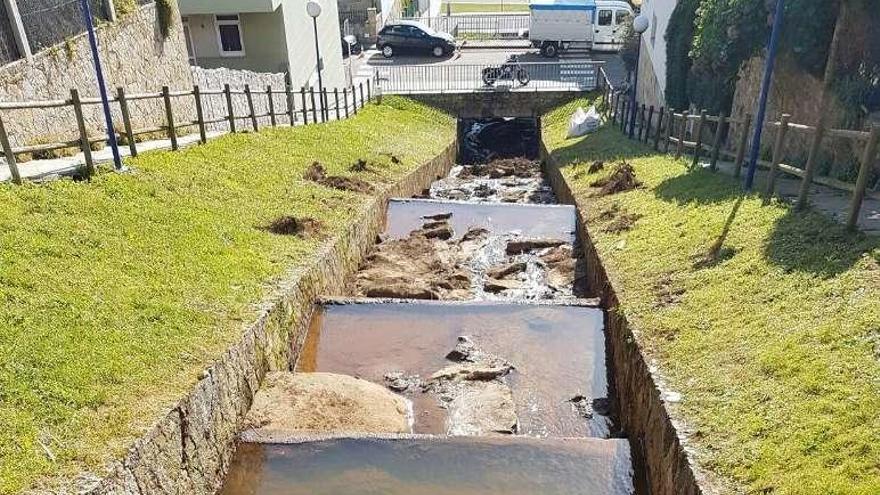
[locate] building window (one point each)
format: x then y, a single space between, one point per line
187 37
229 35
653 29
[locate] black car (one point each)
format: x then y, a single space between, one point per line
402 36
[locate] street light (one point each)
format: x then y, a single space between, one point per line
314 10
640 25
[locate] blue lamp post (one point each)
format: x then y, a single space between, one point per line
102 87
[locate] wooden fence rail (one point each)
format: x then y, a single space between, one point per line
321 108
689 134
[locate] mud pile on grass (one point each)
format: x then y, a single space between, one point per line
622 178
317 173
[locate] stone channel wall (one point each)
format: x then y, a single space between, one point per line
656 443
190 449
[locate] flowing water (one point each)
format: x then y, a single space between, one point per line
537 324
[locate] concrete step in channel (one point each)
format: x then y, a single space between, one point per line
500 386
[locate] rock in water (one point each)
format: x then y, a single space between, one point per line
482 408
322 403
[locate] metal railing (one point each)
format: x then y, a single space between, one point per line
543 76
479 27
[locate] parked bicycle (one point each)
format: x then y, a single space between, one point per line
510 70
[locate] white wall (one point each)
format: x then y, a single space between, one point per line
658 13
301 40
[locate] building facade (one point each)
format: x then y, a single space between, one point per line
265 36
652 59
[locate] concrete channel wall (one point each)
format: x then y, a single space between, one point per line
654 438
189 450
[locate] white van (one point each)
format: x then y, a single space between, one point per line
556 25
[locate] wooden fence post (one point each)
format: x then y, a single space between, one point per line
200 114
291 107
868 157
314 108
698 142
325 112
271 106
230 111
302 93
684 123
719 134
251 109
126 121
169 117
361 85
10 156
670 125
660 115
345 98
650 125
642 123
741 147
778 152
336 101
83 133
612 108
369 91
624 107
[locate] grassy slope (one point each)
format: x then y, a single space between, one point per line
775 348
117 292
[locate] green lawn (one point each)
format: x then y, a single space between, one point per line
775 347
117 292
467 8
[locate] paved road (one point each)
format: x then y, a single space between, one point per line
462 68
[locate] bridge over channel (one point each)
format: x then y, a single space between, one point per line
461 90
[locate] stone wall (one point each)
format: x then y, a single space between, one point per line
214 106
134 55
189 449
656 442
799 94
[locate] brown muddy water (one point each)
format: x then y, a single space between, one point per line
489 240
557 351
433 466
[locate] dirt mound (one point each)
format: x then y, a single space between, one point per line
507 167
422 266
623 178
289 225
596 166
317 173
314 403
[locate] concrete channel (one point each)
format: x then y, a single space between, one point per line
464 356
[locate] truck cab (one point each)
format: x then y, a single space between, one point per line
556 25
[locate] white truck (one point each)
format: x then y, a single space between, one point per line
599 25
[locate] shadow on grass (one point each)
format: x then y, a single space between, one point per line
813 243
606 144
698 186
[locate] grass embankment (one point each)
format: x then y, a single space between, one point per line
118 291
774 344
488 7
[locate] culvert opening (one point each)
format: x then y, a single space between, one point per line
485 140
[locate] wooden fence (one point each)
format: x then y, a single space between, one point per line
301 107
710 137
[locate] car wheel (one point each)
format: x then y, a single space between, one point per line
438 51
550 50
387 51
